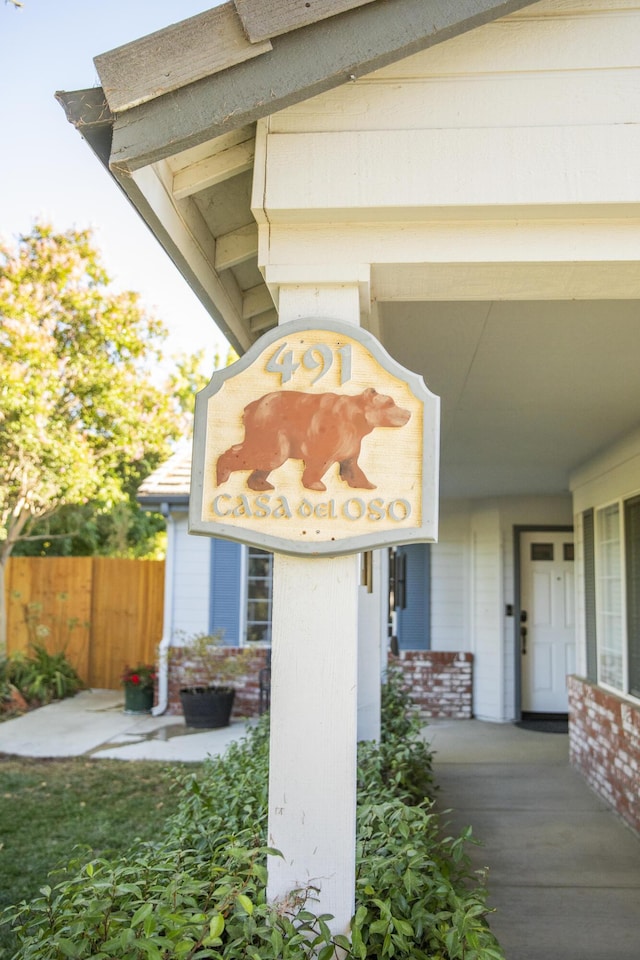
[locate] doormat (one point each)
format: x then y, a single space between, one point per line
543 725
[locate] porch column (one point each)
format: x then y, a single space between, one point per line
312 771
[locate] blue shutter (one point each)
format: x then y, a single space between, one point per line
414 620
225 592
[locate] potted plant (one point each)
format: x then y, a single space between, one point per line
208 673
138 683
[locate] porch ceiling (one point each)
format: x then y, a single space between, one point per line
530 390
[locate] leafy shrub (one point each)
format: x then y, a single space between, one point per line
41 676
402 761
201 890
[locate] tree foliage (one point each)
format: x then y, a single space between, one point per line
80 416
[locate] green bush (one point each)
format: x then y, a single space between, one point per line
201 890
40 676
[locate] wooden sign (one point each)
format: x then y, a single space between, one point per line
316 443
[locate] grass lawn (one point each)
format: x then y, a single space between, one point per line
48 807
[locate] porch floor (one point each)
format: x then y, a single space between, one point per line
564 871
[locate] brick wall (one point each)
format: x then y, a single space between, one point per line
604 745
440 683
247 700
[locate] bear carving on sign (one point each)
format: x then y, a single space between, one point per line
318 428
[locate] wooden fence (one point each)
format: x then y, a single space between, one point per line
104 612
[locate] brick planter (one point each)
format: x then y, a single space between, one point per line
604 745
247 699
440 683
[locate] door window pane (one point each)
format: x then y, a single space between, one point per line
542 551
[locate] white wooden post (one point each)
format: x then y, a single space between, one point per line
312 775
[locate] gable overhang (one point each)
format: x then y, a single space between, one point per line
173 145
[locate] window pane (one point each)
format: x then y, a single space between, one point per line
258 610
259 633
609 602
542 551
259 566
259 589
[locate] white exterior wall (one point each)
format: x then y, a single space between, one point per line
450 580
614 474
504 154
191 579
472 581
486 612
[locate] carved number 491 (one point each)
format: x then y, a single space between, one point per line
318 358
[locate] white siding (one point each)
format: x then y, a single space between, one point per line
472 580
488 163
614 474
450 581
486 607
535 109
192 579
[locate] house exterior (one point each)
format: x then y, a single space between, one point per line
217 585
468 178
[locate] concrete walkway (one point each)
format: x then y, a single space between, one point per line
564 872
94 724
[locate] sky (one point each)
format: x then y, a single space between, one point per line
48 172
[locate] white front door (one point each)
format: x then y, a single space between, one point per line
547 639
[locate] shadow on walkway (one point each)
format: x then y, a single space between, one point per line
564 872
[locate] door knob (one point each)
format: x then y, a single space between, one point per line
523 638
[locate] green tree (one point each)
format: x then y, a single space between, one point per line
80 417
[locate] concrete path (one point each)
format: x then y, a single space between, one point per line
94 724
564 872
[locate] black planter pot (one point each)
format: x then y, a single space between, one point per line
207 707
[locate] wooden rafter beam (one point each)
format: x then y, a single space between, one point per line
264 321
255 301
214 169
236 247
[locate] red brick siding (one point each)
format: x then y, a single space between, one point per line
247 700
440 683
604 745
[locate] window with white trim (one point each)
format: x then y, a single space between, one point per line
632 562
609 610
613 554
259 596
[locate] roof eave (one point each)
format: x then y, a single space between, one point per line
301 65
153 501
